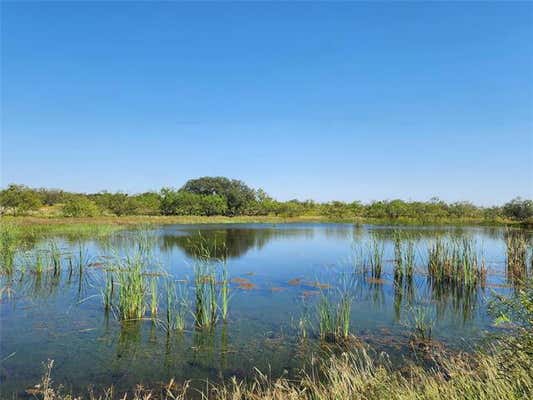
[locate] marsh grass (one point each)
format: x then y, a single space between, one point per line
516 245
177 306
334 310
455 262
358 375
132 287
9 242
376 250
224 289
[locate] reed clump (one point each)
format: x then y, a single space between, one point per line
455 262
9 241
517 244
334 317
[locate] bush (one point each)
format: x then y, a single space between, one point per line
18 199
80 206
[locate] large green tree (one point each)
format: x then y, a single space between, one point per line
237 194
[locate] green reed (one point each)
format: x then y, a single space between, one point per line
224 290
376 257
205 294
132 287
55 257
176 308
108 291
9 241
455 262
517 244
334 318
153 297
404 256
422 323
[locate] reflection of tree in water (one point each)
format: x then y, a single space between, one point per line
230 242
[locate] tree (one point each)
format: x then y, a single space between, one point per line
19 199
80 206
118 203
519 209
236 193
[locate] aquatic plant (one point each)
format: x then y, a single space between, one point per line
9 241
455 262
176 307
376 257
334 316
516 247
205 294
153 298
224 289
131 284
107 293
55 257
421 322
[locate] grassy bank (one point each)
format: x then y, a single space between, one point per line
63 222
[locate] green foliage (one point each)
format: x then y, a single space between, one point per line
19 199
80 206
236 193
519 209
117 203
185 203
209 196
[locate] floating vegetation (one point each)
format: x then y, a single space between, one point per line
295 281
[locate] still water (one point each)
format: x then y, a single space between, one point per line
277 272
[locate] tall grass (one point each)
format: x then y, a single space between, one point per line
224 289
176 307
358 375
334 314
9 241
455 262
376 257
517 244
132 287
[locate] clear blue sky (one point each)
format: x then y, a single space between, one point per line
323 101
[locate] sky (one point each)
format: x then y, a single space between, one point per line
323 101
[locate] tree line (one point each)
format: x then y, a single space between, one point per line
210 196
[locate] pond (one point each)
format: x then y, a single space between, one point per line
277 276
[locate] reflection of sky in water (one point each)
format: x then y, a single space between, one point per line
56 320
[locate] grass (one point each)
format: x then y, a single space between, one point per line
177 307
455 262
517 244
376 257
9 242
334 314
359 376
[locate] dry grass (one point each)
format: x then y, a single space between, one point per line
358 376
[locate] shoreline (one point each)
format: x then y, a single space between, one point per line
198 220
